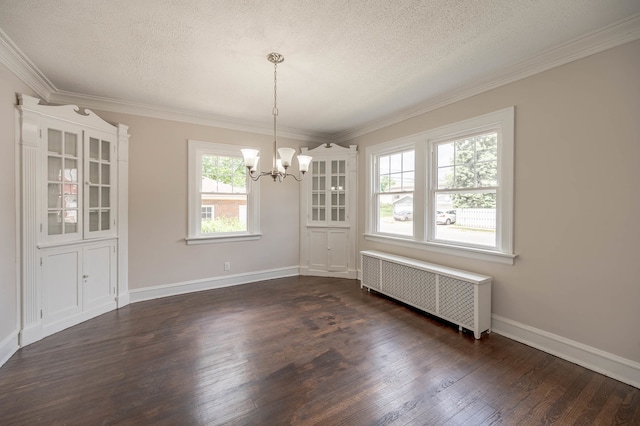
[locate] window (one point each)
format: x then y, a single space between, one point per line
448 190
207 212
223 201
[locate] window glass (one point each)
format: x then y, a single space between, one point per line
394 198
465 198
223 190
223 201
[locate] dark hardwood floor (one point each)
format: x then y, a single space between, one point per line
301 350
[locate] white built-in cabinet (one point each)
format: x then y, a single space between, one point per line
328 212
73 188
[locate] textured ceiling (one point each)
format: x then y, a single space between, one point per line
347 64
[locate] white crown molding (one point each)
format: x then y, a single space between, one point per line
17 62
614 35
133 108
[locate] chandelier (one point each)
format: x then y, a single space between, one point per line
280 167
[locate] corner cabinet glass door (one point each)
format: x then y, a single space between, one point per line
79 184
99 183
338 191
63 220
328 192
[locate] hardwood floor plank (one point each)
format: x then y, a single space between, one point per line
298 350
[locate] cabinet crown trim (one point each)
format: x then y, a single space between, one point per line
70 113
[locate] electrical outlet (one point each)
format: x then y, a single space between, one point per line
227 266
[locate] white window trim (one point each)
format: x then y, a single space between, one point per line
195 150
423 227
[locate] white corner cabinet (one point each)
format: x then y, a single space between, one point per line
73 188
328 212
461 297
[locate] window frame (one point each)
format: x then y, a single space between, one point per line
196 149
423 238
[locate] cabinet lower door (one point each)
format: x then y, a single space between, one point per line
62 291
338 243
317 240
78 283
328 250
98 277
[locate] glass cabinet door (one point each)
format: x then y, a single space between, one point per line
98 184
338 191
329 191
63 172
319 191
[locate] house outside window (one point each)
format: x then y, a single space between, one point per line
448 190
222 199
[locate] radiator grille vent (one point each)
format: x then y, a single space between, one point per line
410 285
456 300
371 272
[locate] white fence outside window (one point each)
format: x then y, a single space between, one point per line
476 218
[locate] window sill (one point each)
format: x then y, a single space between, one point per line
468 252
222 239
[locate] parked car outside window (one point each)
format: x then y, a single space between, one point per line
403 215
445 218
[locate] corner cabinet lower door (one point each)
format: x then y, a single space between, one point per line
78 283
328 250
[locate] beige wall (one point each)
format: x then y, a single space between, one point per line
577 199
158 254
9 86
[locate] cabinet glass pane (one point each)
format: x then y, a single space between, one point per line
54 166
106 151
314 199
54 196
341 182
323 200
94 148
341 215
106 174
54 223
94 172
94 196
342 200
105 220
341 167
322 215
322 185
94 220
71 198
70 170
106 202
71 222
71 144
314 213
54 141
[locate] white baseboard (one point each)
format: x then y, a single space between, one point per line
149 293
8 347
614 366
350 274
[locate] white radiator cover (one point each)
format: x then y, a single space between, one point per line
461 297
